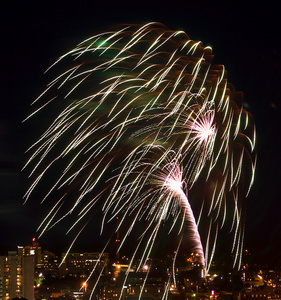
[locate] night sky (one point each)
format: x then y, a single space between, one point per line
245 38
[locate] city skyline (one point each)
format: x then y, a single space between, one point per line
76 276
35 56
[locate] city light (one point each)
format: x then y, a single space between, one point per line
84 286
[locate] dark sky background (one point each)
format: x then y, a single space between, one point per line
245 37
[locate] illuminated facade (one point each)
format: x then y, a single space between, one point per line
31 250
82 264
49 264
16 276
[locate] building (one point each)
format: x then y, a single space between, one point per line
49 264
16 276
31 250
82 264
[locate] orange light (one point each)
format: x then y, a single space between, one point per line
84 285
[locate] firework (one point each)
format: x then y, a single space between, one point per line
147 129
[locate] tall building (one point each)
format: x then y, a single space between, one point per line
16 276
31 250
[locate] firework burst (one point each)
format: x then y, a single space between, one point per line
144 120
